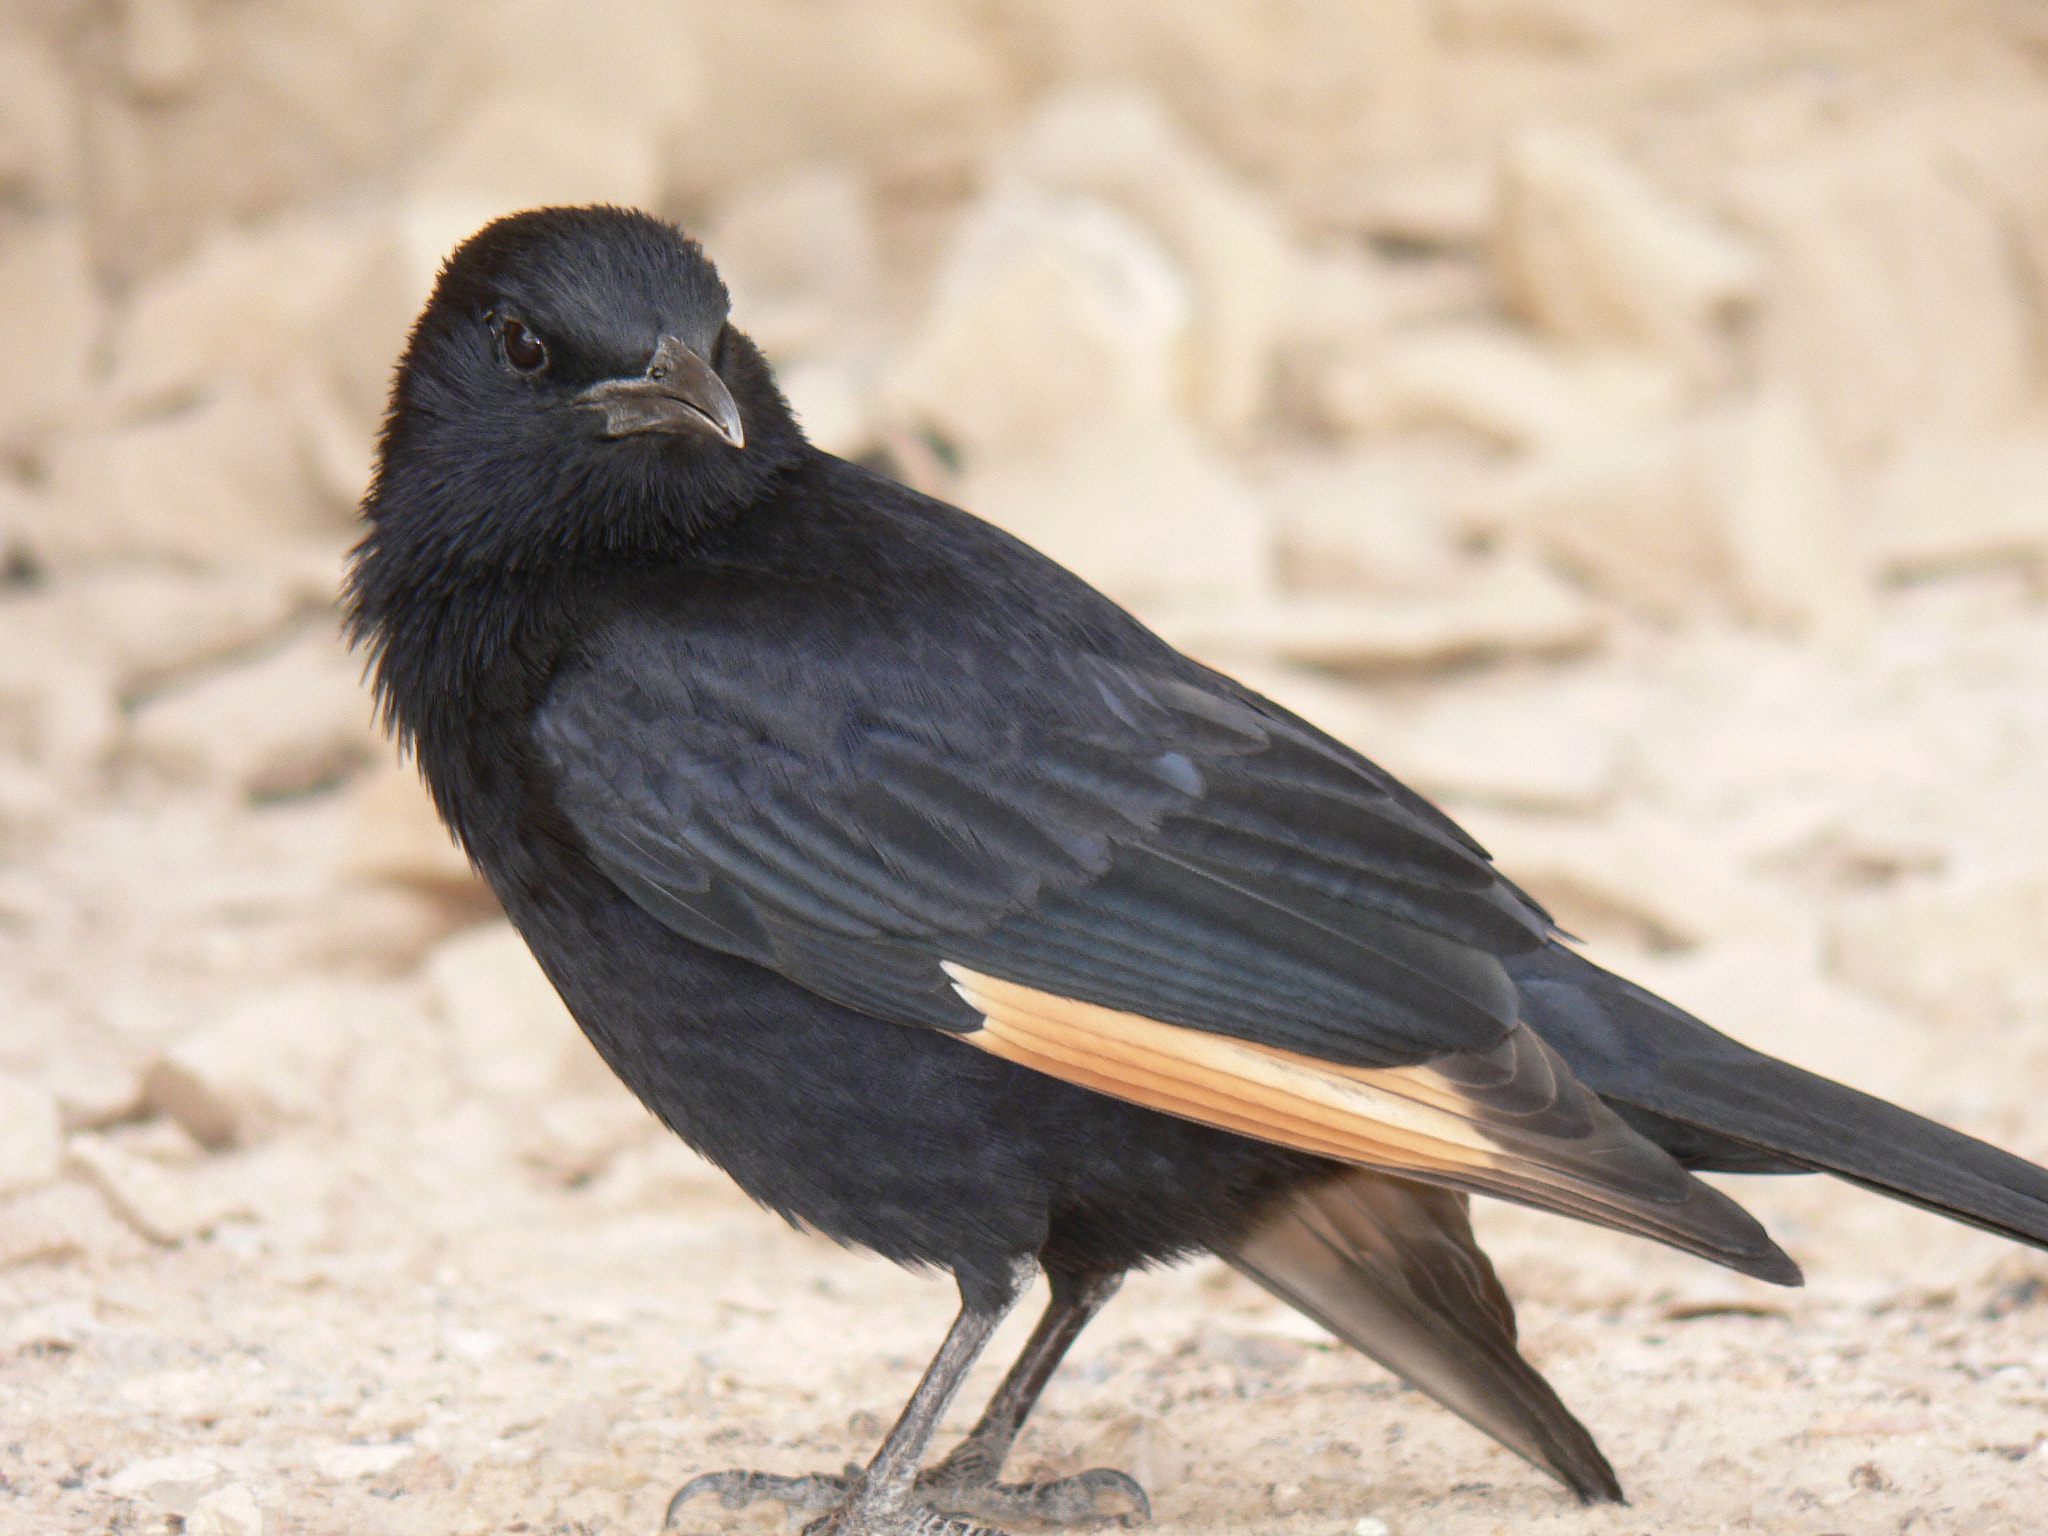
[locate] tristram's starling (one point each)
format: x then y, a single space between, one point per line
957 916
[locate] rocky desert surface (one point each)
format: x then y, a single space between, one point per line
1626 421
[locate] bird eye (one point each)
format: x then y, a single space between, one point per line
523 350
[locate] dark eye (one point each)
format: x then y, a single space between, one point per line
523 350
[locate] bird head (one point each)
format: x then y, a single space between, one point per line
573 385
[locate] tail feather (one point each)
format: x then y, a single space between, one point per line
1391 1267
1716 1104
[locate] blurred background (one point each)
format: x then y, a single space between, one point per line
1622 418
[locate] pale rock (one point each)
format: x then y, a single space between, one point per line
1119 146
65 1220
830 404
38 126
205 486
1053 315
186 1470
910 91
654 1171
1738 508
346 1463
92 1087
1896 305
574 1138
62 713
1143 510
340 447
29 806
1304 94
514 1036
1452 204
227 1511
187 1394
396 834
520 151
241 303
1596 256
271 1060
164 1204
1570 25
1446 287
381 930
1498 384
1947 504
1634 516
159 1139
1503 606
1961 951
638 62
70 651
49 327
20 516
56 706
1638 879
61 1324
401 1069
31 1027
317 305
1340 296
593 1508
1512 749
1771 995
31 1138
294 722
298 103
163 51
797 253
153 625
1783 523
1358 522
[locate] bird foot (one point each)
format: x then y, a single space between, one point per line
831 1492
1099 1496
738 1488
951 1498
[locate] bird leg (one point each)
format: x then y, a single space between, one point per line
965 1481
882 1498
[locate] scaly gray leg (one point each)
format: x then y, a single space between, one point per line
965 1482
882 1498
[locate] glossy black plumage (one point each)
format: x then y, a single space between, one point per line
753 744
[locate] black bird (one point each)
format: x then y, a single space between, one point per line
957 916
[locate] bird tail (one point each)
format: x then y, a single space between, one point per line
1715 1104
1391 1267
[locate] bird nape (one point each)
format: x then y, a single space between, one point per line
957 916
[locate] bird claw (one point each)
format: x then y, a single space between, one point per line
1086 1498
738 1488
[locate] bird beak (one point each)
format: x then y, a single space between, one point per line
679 393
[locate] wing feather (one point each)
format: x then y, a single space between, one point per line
1513 1124
1391 1267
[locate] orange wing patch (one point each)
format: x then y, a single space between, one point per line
1399 1118
1511 1122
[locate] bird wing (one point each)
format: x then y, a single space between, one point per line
1134 878
1391 1267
